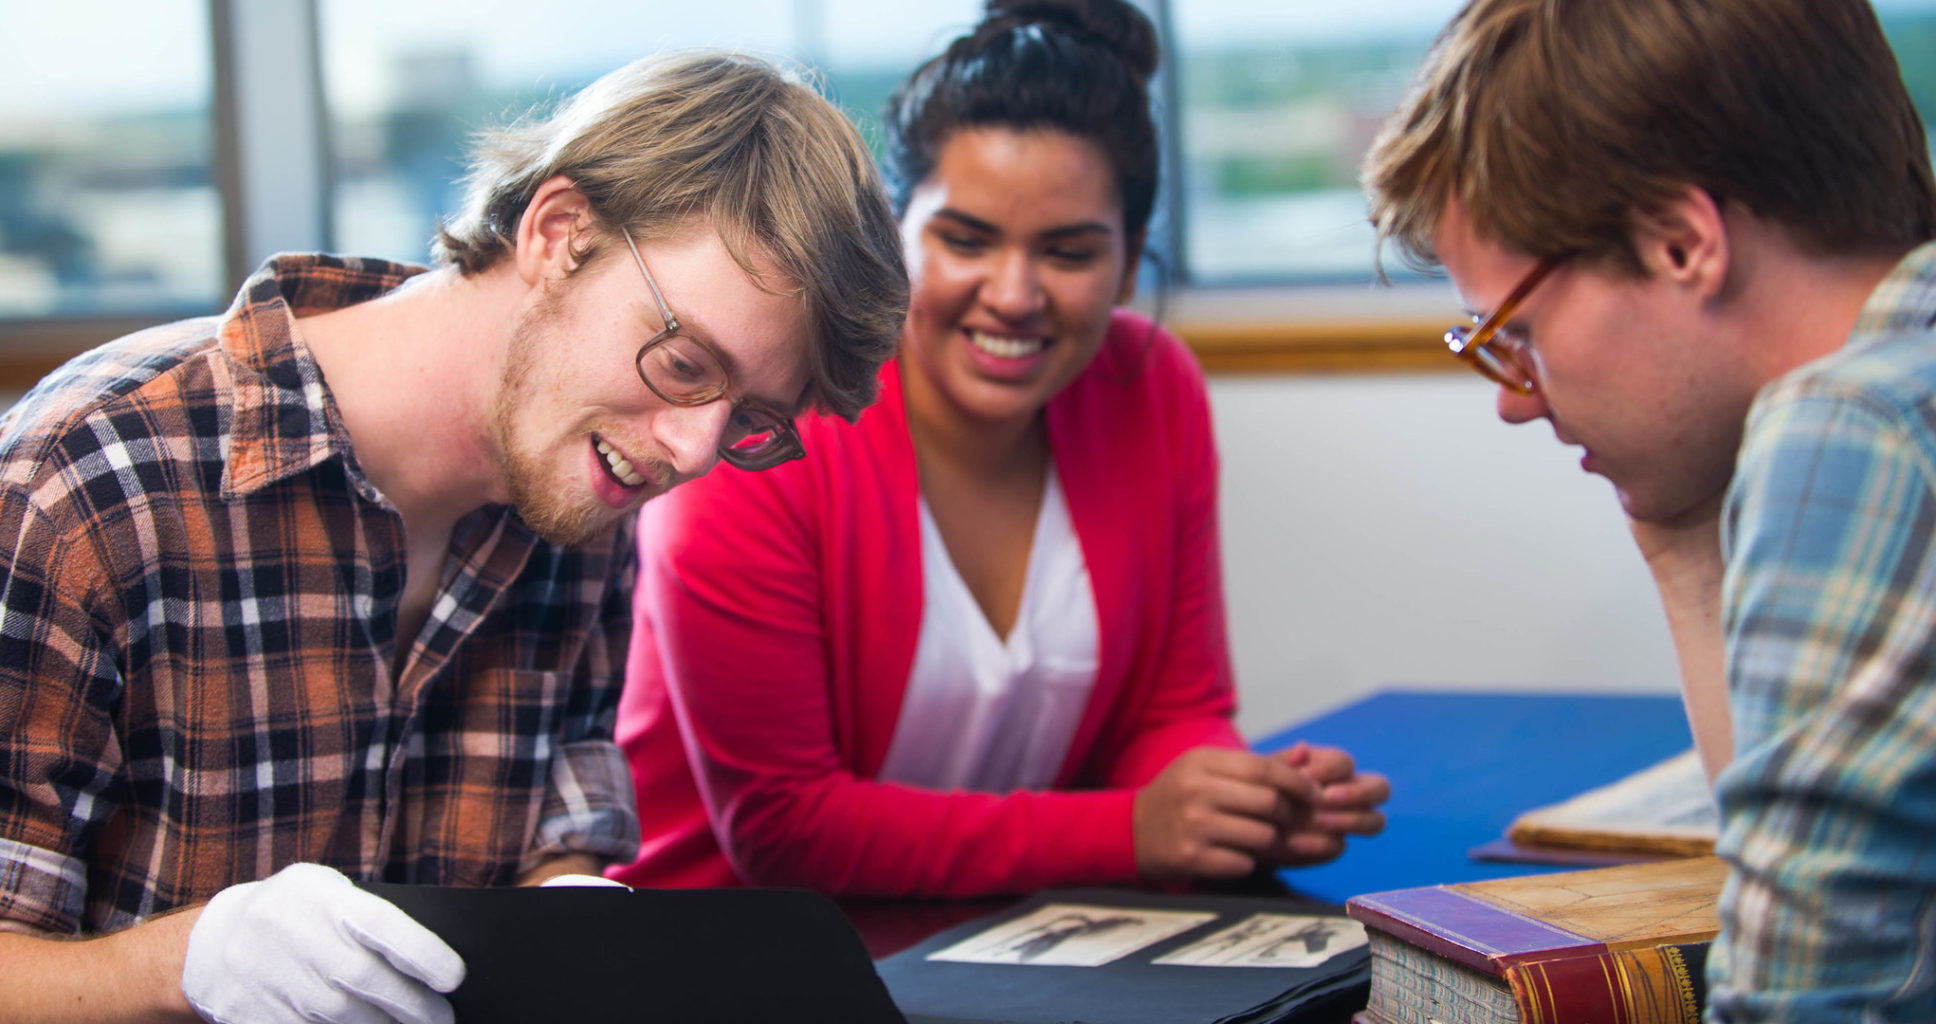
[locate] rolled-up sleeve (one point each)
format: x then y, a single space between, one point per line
589 804
58 751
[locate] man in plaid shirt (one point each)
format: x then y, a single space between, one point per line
335 585
1699 237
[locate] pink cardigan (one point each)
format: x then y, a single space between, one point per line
778 614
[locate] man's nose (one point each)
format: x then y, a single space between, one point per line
1517 408
691 435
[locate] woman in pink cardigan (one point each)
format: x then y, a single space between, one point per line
974 643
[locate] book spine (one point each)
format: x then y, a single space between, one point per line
1663 984
1481 935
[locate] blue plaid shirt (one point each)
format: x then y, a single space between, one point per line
1829 807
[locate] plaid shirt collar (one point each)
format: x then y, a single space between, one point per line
1905 299
283 420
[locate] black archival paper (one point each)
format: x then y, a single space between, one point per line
660 956
1135 989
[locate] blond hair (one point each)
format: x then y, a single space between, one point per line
1557 124
737 141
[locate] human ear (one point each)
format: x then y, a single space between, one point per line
1132 260
1686 242
556 214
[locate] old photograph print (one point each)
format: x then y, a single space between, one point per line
1272 940
1072 935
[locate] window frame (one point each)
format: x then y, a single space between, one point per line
272 173
270 168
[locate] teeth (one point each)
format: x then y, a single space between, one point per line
1006 348
621 467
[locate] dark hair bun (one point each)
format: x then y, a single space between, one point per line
1114 24
1075 66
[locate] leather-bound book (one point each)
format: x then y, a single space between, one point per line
1619 945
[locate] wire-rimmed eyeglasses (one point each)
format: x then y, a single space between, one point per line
683 370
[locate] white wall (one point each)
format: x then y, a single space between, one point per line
1386 530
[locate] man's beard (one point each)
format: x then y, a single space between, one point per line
560 518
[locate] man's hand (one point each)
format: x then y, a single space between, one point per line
582 881
1685 546
563 864
305 944
1347 805
1216 813
1684 555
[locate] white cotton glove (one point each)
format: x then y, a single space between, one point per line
586 881
305 945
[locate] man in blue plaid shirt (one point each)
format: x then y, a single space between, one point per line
1698 238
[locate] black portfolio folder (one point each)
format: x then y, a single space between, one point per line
650 955
1215 965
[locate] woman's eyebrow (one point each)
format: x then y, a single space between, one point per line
968 220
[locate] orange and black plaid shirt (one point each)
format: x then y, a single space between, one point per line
197 634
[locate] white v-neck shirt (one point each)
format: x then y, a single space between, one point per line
986 713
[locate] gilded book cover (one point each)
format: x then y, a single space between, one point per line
1624 945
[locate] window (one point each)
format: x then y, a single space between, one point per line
111 204
108 203
1280 101
407 83
1911 27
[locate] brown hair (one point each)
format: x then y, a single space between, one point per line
1558 123
760 155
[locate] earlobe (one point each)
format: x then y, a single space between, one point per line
552 220
1126 289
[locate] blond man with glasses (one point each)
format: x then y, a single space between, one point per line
1696 238
336 586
